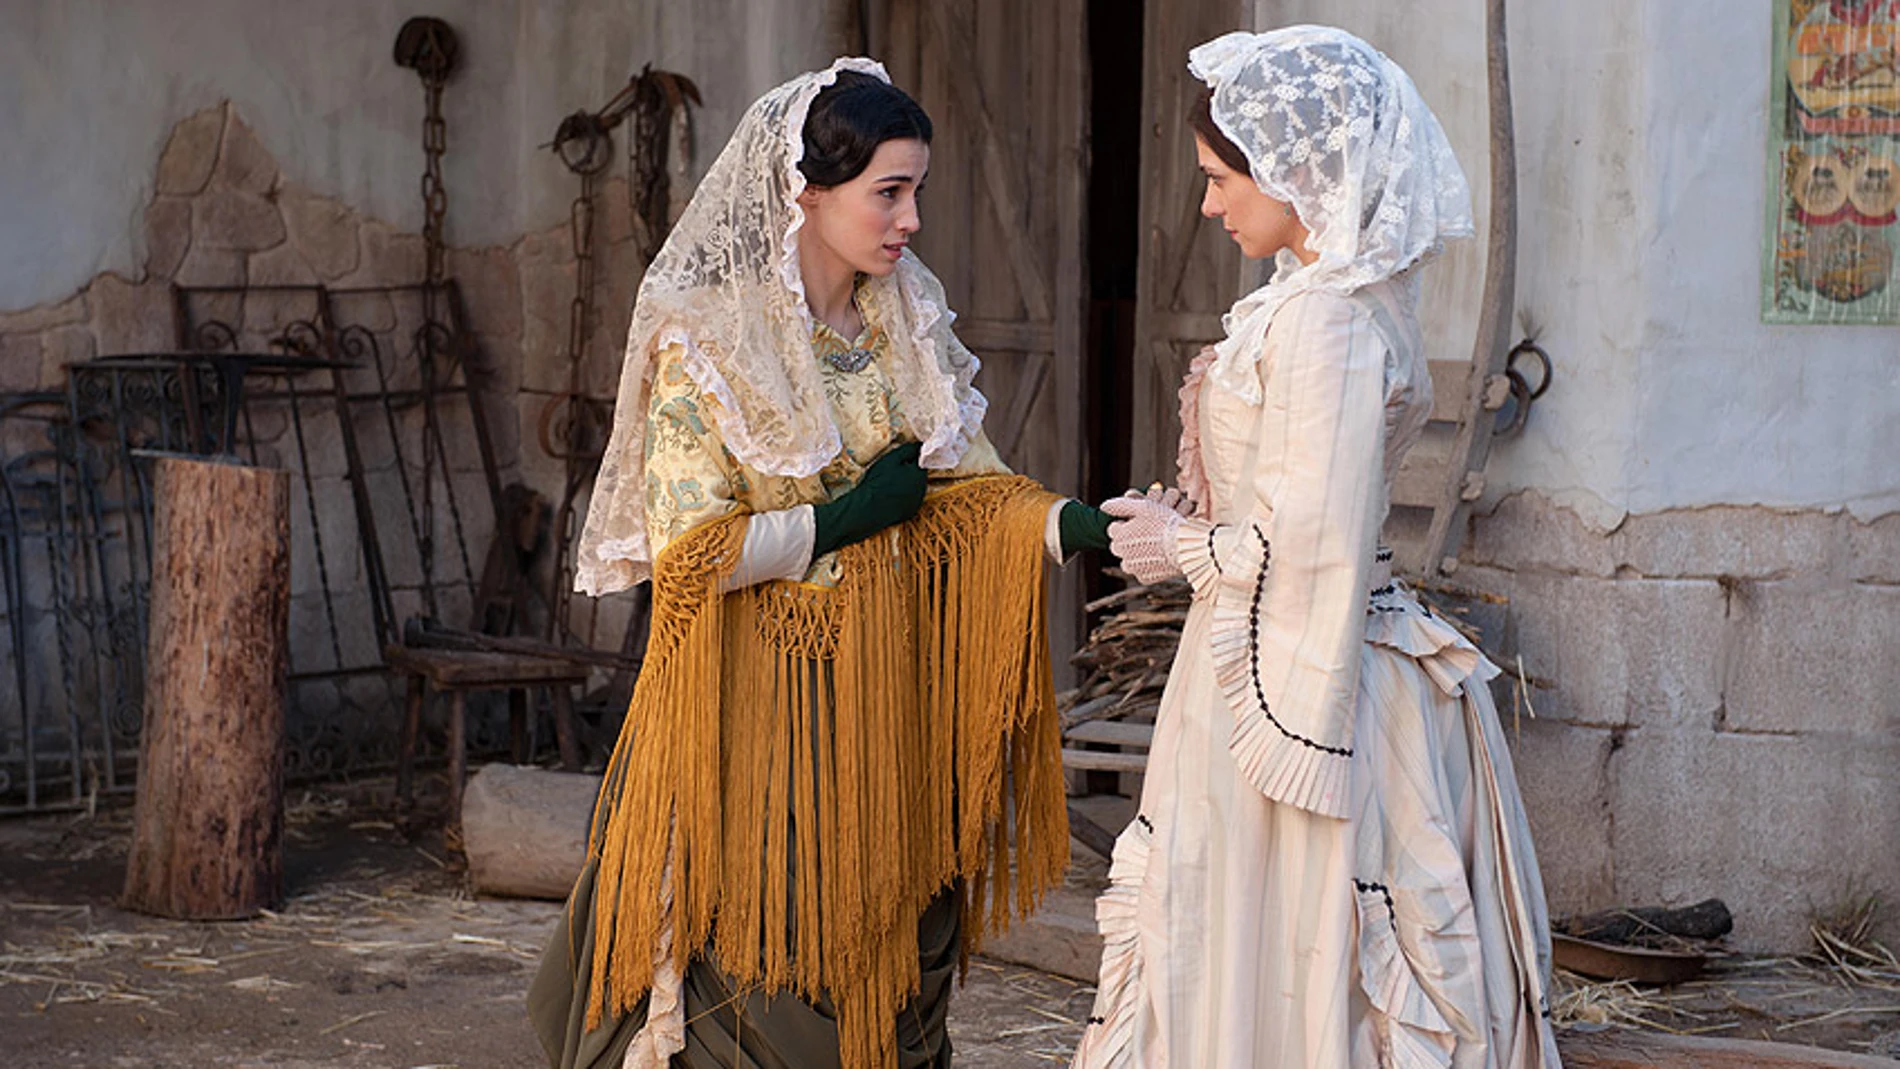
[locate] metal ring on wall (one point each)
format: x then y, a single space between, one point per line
1523 394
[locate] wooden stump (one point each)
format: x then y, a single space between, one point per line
524 830
207 837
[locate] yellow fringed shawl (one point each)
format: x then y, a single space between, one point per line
814 764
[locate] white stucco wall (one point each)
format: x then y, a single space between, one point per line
1641 130
90 90
1733 410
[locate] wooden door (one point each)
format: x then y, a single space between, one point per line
1190 272
1004 84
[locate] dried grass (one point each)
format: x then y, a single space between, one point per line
1616 1002
1844 941
1830 999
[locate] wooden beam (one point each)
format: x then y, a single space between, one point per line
1184 265
1090 834
1112 733
1069 361
1093 760
1021 404
1451 388
1618 1048
985 336
1493 343
1420 482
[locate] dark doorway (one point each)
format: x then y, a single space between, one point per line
1114 240
1114 248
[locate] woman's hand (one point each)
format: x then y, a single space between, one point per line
890 492
1168 496
1145 534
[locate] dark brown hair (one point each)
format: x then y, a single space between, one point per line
1201 119
849 119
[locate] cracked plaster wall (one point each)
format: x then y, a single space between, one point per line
90 91
1719 705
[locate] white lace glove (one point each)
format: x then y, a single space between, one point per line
1145 536
1169 496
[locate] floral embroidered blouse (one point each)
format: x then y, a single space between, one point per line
692 478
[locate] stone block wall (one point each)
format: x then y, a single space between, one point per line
1719 708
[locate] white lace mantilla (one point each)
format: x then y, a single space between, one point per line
1337 130
726 285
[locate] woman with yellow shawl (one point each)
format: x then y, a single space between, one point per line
845 722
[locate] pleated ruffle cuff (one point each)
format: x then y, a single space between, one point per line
1194 552
1415 1035
1286 766
1396 621
1109 1041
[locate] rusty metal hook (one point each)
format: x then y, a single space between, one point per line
427 46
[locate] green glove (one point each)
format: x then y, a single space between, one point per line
890 492
1082 527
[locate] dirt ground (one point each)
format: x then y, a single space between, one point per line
380 958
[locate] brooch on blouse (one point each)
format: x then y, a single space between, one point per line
851 361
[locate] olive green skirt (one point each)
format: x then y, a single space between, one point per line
728 1029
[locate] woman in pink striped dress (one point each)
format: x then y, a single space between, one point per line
1331 867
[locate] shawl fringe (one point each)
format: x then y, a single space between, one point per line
822 761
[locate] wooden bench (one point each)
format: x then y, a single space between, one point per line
458 672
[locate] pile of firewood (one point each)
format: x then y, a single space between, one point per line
1124 664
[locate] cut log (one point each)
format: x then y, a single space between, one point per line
207 836
1618 1048
524 830
1708 919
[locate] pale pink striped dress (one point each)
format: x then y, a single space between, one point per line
1331 867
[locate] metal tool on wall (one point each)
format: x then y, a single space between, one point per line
574 426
